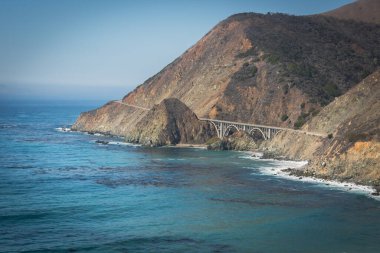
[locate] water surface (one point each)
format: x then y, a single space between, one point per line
63 192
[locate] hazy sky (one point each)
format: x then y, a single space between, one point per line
88 49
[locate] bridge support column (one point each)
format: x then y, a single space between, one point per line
221 131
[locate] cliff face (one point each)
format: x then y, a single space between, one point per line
266 69
362 10
353 151
170 122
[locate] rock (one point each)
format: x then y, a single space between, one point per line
168 123
240 141
101 142
375 194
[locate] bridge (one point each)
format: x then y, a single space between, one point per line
223 127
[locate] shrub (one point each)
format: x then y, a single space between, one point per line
246 72
331 90
330 136
299 123
272 59
301 120
284 117
315 112
249 52
354 137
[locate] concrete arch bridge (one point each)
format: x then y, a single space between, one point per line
223 127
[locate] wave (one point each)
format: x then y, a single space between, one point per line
276 168
118 143
5 126
63 129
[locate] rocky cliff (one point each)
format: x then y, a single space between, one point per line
352 151
170 122
268 69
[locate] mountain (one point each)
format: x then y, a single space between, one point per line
353 150
273 69
362 10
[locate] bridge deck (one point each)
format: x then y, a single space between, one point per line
264 126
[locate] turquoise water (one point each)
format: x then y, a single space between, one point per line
63 192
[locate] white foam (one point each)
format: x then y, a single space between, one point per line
276 167
63 129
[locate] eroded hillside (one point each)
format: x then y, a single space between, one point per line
271 69
353 150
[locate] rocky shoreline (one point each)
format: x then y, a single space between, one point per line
297 170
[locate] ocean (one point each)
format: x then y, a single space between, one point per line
66 192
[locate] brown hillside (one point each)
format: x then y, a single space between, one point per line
362 10
353 152
270 69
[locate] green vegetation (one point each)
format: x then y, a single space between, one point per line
284 117
271 58
301 120
249 52
246 72
315 52
303 70
330 136
331 90
299 123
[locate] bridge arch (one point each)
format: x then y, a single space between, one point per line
216 128
230 127
277 132
258 129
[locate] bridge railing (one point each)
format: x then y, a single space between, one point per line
264 126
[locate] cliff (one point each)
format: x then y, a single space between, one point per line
170 122
270 69
352 153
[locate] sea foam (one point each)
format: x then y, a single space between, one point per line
276 168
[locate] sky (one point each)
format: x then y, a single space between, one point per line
102 49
